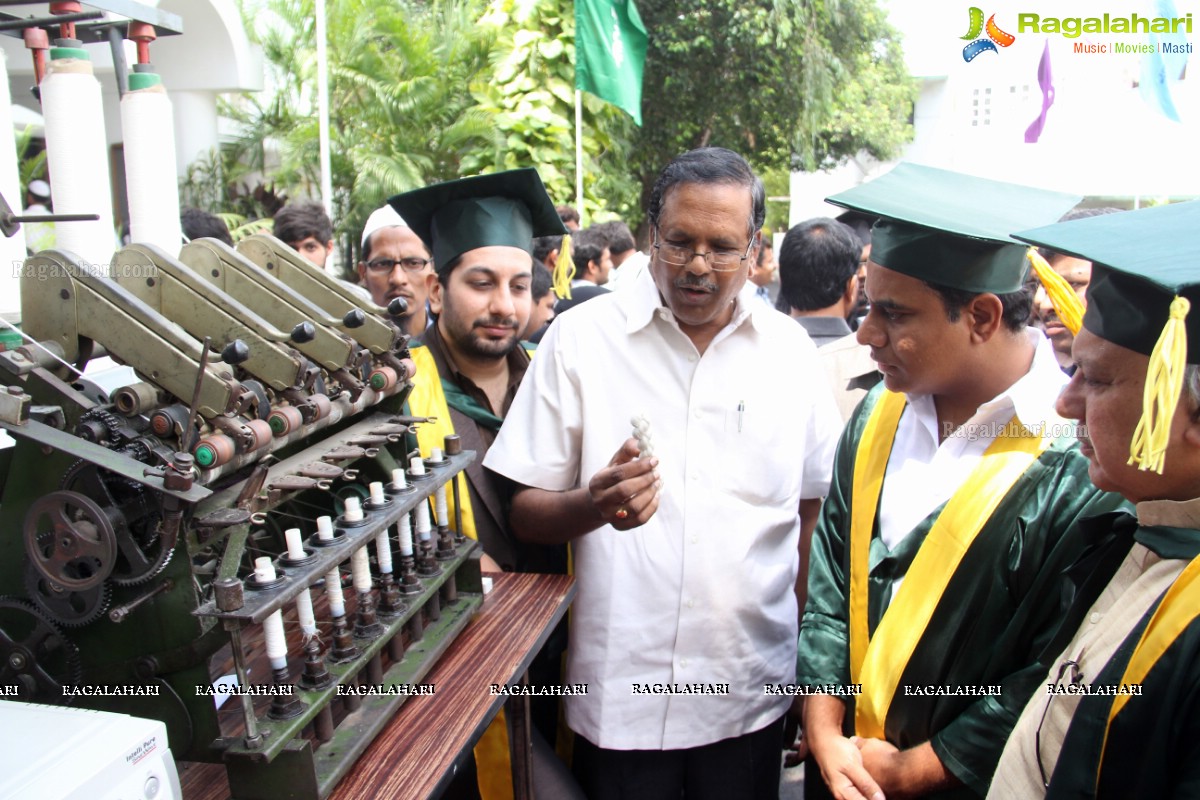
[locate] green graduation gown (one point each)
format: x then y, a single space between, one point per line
1153 748
996 615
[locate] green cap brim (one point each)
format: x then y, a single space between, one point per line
1141 261
952 229
498 209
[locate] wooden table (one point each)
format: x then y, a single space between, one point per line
413 756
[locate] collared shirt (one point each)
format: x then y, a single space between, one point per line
703 592
924 469
627 274
823 330
1136 586
488 500
850 369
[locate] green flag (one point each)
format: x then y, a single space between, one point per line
610 49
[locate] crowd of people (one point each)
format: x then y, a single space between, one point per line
882 485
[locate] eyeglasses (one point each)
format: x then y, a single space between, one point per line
1071 671
382 265
718 260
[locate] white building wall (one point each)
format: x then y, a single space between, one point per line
1101 138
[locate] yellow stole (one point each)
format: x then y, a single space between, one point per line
1179 607
428 400
878 662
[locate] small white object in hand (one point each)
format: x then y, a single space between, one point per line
641 432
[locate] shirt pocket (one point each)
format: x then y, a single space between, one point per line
761 451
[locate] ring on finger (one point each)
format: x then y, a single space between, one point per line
622 512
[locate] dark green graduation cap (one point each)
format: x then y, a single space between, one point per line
952 229
502 208
1141 261
1145 278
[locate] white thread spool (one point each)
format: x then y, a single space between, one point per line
435 455
333 578
383 552
423 526
377 495
304 611
12 251
417 465
443 512
333 591
147 122
272 625
77 151
398 479
324 528
353 510
295 545
304 606
406 539
360 569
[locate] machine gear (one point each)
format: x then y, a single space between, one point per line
35 656
141 553
71 608
70 540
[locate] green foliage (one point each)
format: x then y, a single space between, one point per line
428 90
31 167
778 183
400 114
766 78
422 92
530 97
222 182
869 109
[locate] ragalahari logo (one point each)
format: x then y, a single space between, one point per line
994 37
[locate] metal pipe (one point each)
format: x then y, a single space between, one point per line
37 22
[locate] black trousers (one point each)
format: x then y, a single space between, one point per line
742 768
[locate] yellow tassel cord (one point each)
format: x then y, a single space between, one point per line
1164 384
564 270
1066 303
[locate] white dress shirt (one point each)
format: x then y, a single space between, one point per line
703 592
626 275
923 473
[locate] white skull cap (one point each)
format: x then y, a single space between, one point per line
383 217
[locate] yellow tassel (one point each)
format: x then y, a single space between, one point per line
1066 303
564 270
1164 384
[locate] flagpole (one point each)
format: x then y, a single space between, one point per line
323 111
579 156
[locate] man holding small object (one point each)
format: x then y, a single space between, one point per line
686 560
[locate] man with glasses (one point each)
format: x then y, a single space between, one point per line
686 557
1117 711
935 564
395 264
480 232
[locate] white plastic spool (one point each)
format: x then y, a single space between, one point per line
77 154
147 122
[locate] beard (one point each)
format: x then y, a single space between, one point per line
473 342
